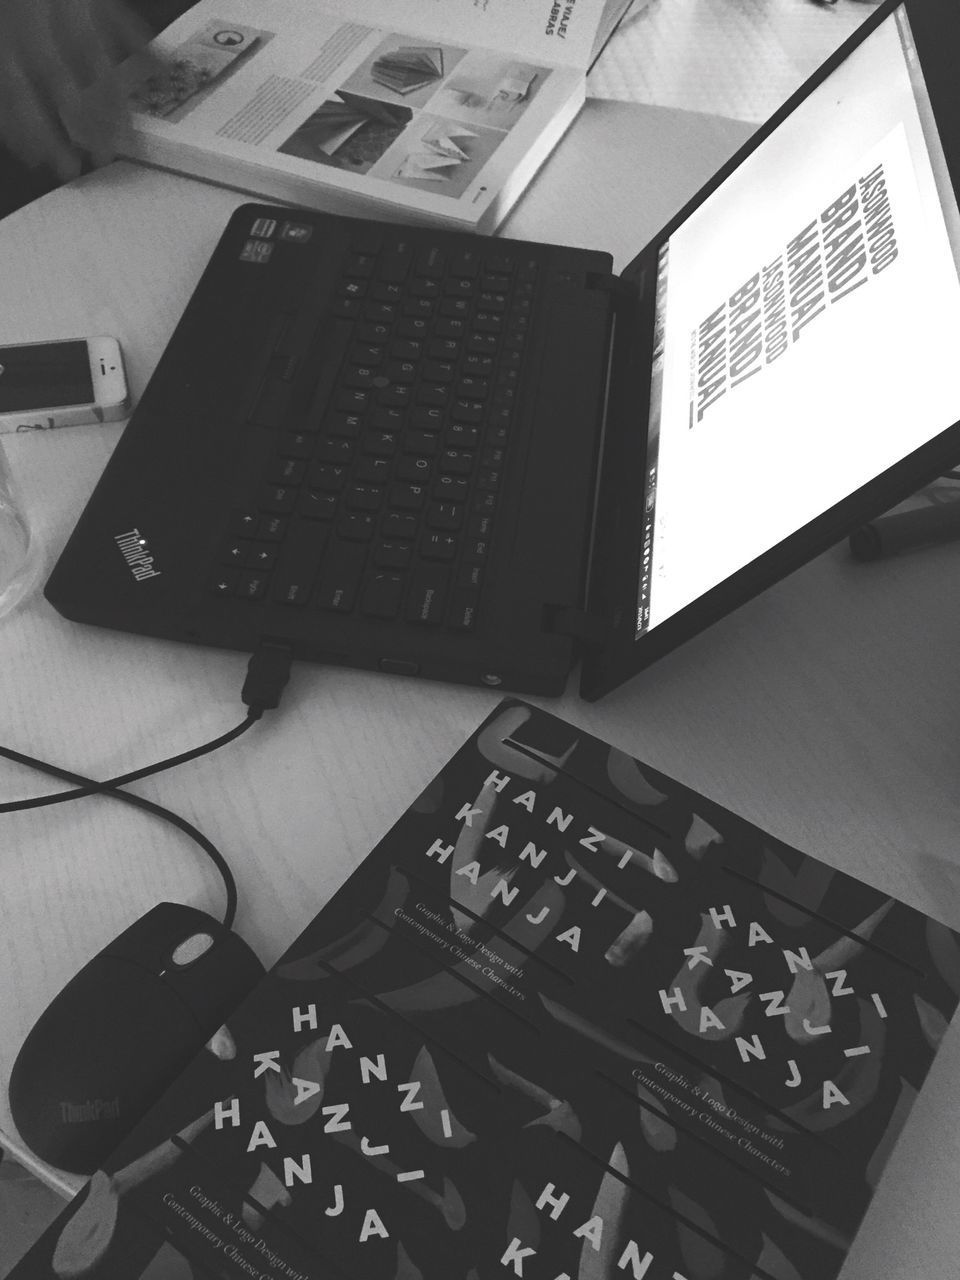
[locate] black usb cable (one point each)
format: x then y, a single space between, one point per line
267 673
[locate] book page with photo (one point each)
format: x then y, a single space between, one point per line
442 119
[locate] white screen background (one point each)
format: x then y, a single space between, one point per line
868 381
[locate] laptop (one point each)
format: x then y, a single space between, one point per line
484 460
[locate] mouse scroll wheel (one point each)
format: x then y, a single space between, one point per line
191 949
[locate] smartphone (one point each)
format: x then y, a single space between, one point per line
62 384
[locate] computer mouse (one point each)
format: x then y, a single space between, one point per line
122 1030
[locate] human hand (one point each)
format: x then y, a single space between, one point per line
59 92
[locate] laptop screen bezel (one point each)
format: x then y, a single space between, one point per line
615 563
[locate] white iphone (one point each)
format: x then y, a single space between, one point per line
62 384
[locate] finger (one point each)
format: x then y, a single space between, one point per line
94 115
95 104
90 128
124 33
32 125
89 100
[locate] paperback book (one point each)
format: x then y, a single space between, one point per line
568 1021
326 103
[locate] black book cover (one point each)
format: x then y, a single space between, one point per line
568 1021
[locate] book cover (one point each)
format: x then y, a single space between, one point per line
568 1020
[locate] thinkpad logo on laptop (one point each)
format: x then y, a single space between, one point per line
135 550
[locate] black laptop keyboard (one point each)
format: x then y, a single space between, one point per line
382 495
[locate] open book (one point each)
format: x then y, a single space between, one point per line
569 1019
326 103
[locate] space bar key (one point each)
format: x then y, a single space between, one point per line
330 351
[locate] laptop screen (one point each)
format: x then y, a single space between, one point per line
808 326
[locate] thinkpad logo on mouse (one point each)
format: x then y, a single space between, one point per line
136 551
92 1109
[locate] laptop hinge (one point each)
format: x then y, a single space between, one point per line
623 292
576 623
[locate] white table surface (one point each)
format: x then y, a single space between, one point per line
826 710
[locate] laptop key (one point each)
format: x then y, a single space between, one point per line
347 308
260 556
407 497
446 516
430 261
480 365
413 328
234 551
433 393
352 401
356 527
336 449
459 435
463 608
361 265
402 371
225 582
413 467
426 418
397 393
456 462
380 444
364 497
373 332
382 595
278 498
447 327
466 264
396 525
392 555
396 261
245 523
476 551
427 594
438 546
365 353
253 586
424 443
469 576
483 344
286 471
296 444
299 562
406 349
372 470
501 264
271 528
340 576
346 426
451 488
386 419
314 505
